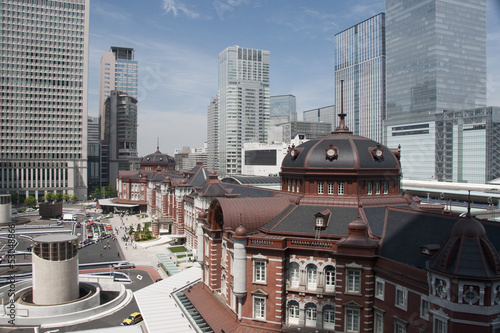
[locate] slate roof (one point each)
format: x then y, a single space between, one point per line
353 152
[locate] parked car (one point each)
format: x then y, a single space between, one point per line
133 319
124 265
30 210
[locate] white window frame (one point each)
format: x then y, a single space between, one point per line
352 320
320 188
294 275
400 326
293 313
331 188
353 284
369 188
259 308
378 322
379 288
259 271
341 188
312 276
311 315
386 188
377 187
330 273
329 317
401 298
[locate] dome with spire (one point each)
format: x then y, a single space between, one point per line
157 160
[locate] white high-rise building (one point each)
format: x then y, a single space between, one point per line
243 103
44 96
213 134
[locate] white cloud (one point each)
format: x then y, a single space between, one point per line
175 7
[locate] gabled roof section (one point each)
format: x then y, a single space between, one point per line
252 213
213 187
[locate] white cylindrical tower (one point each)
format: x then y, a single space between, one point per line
55 269
5 209
240 266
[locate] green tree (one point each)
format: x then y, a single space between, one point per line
146 234
131 230
139 227
65 197
58 197
42 198
110 192
103 192
97 193
49 197
73 197
30 201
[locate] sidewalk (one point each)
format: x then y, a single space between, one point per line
139 253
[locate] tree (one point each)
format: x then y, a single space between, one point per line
30 201
65 197
146 234
110 192
49 197
58 197
73 197
131 230
103 192
97 193
138 228
42 198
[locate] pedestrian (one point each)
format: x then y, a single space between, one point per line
118 254
101 254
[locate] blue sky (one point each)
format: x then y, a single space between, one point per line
177 43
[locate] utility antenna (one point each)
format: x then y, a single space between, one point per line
158 143
468 206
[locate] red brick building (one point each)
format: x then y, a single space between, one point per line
339 249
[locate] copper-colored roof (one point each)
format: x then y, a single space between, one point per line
215 313
252 213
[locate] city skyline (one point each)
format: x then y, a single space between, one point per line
178 42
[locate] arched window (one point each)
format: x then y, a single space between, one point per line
328 317
293 275
330 278
293 313
311 315
312 276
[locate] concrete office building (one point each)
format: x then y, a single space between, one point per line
243 103
325 114
93 155
44 97
436 61
213 134
360 63
119 134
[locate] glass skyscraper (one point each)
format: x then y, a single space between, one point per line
282 109
243 103
360 63
43 113
436 55
325 114
436 62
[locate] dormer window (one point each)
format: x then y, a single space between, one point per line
321 219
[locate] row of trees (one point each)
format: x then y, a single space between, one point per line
140 235
30 201
104 192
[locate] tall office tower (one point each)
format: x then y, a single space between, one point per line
325 114
243 103
282 109
360 63
213 134
436 61
93 155
119 134
44 62
118 71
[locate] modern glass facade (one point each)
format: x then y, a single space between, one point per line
325 114
436 55
243 103
360 63
282 109
44 64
